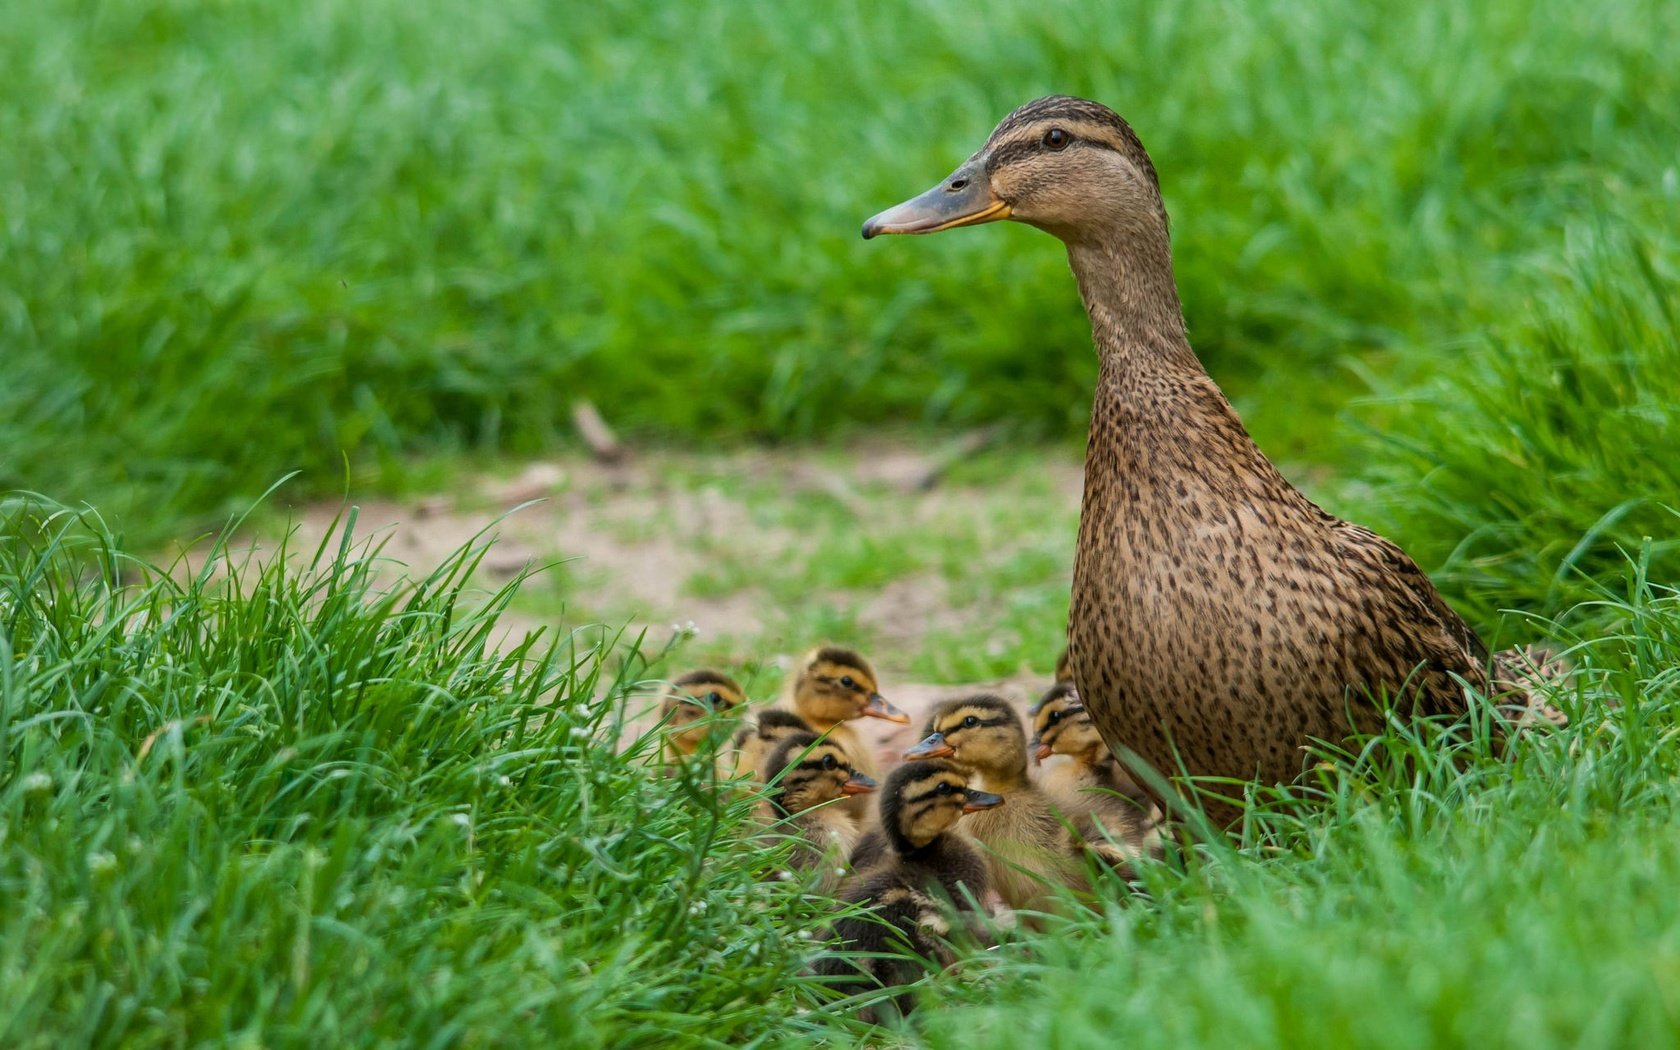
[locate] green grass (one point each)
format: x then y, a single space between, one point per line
246 239
386 244
280 807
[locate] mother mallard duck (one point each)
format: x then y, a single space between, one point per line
1220 619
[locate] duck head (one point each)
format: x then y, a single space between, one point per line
836 685
982 733
923 800
1066 165
699 701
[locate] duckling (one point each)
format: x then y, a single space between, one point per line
1064 668
1220 620
1111 813
834 686
689 712
1030 849
754 742
806 773
928 866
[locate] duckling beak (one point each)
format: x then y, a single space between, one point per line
1040 749
858 785
965 198
979 800
933 747
877 707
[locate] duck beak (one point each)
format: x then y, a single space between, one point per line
877 707
1040 749
858 785
933 747
965 198
979 800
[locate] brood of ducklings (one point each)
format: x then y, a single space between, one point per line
927 867
806 775
1029 848
689 713
754 742
1220 619
835 685
1109 810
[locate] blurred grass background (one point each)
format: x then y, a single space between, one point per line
243 239
1431 251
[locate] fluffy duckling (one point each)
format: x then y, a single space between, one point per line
1112 813
1029 847
834 686
927 866
806 774
754 742
689 712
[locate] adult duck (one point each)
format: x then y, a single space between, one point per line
1220 619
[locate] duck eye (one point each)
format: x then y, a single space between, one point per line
970 722
714 699
828 762
1055 716
1056 138
846 680
945 789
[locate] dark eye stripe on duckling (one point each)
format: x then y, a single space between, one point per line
955 723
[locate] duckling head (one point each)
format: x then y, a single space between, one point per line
692 709
982 733
1062 726
808 771
923 800
835 685
1066 165
772 726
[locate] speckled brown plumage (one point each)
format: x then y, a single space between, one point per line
1219 618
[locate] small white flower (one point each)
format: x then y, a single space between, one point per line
100 862
579 732
463 819
37 783
784 876
803 935
504 780
697 908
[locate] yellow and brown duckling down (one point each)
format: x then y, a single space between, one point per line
753 743
691 711
1111 813
927 868
1029 848
833 686
806 776
1220 620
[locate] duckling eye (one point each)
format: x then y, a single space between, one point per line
1055 716
1056 139
828 762
846 680
944 789
970 722
714 699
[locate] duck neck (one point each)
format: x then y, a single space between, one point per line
1002 781
1126 282
1158 417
